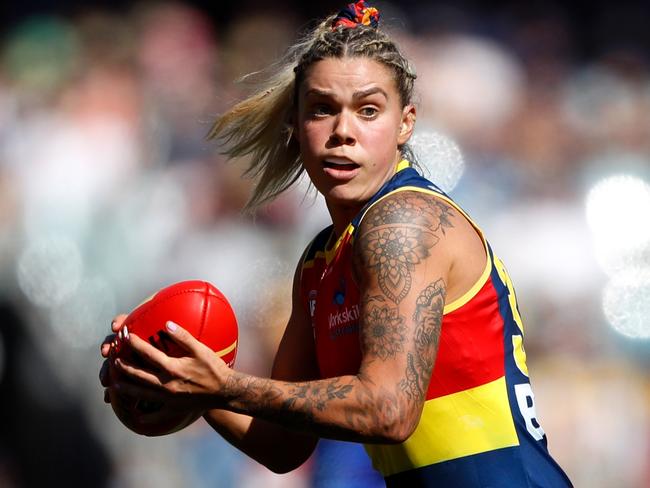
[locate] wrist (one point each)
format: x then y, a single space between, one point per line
228 386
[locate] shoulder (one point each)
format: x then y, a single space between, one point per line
402 231
410 208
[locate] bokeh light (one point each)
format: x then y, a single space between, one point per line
626 303
618 210
440 158
84 316
49 270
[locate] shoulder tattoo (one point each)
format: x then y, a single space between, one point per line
398 233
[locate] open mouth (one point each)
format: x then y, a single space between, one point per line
340 164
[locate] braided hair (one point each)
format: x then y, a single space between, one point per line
260 127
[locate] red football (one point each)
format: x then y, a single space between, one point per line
202 310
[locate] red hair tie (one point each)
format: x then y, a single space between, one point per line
357 14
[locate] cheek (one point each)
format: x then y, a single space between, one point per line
379 137
311 136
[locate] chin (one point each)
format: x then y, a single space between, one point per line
347 197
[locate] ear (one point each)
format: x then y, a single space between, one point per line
407 124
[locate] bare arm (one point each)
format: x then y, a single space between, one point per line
295 361
401 270
402 262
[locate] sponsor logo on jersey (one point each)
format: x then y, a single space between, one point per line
343 317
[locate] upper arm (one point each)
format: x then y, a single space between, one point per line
402 259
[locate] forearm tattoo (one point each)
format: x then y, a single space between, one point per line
303 405
397 235
292 403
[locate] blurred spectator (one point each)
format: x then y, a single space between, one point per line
108 191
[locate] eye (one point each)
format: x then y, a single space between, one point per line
368 112
321 110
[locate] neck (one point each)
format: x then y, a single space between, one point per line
342 215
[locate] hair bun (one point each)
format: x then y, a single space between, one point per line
356 14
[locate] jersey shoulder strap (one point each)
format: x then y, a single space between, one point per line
317 246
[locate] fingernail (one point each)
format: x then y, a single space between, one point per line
120 335
171 326
126 333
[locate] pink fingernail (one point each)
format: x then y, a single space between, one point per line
171 326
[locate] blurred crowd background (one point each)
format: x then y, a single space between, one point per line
535 116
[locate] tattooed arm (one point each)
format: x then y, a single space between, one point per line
295 360
401 262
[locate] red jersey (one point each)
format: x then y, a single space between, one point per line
478 426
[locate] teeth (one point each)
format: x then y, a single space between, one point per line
340 161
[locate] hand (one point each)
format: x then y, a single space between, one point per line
192 381
105 349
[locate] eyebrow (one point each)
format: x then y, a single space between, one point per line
368 92
356 95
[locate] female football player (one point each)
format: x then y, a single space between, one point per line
404 333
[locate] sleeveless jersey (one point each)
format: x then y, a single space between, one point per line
478 426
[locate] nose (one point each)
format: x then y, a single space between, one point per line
342 131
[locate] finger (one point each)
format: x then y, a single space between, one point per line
135 373
105 347
104 377
137 390
152 355
117 322
184 339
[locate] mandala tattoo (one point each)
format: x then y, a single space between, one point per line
384 332
401 232
398 235
393 252
414 208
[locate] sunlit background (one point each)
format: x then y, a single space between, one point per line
535 118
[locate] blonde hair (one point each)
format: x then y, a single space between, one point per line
260 126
